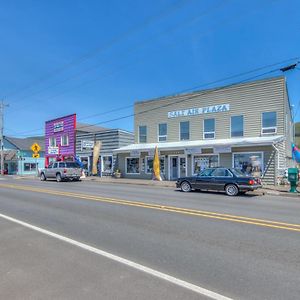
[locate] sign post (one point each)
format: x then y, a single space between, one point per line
35 149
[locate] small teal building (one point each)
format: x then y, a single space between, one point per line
18 158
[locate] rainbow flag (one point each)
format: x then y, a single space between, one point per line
296 153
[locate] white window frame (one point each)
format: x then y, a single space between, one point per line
189 131
131 157
160 136
50 144
112 163
139 134
268 128
250 152
203 154
61 140
243 126
209 132
146 163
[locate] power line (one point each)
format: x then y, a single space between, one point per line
98 50
189 20
196 95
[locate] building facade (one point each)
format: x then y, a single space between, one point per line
110 139
247 126
18 156
60 135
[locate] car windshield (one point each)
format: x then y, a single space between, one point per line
239 173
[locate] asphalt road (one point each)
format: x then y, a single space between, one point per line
239 247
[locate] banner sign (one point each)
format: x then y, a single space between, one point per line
87 145
199 111
53 150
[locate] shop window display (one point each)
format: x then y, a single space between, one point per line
133 165
202 162
149 165
107 164
250 163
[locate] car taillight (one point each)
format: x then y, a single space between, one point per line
251 182
65 171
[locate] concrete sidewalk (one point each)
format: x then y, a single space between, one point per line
266 190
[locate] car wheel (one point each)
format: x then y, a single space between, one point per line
58 177
43 177
231 190
185 186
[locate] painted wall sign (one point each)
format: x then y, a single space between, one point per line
222 149
134 153
53 150
193 150
199 111
59 126
87 145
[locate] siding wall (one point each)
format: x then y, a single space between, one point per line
249 100
111 140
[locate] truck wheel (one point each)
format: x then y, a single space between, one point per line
231 190
58 177
43 177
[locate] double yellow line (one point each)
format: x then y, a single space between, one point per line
174 209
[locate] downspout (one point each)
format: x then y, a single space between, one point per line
277 152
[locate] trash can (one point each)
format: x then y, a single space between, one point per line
293 178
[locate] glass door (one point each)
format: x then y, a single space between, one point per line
182 167
174 168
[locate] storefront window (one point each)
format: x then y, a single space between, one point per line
250 163
85 162
149 165
29 167
107 164
132 165
202 162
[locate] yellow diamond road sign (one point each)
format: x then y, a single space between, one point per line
35 155
35 147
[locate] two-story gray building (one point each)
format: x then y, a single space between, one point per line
111 139
246 126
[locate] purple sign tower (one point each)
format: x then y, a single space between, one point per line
60 138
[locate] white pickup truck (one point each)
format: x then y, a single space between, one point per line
61 171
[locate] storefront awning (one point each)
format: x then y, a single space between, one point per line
234 142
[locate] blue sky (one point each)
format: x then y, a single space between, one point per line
90 57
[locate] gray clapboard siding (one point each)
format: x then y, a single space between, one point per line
249 100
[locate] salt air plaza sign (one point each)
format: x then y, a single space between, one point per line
199 111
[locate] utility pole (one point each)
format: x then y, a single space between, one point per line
2 106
